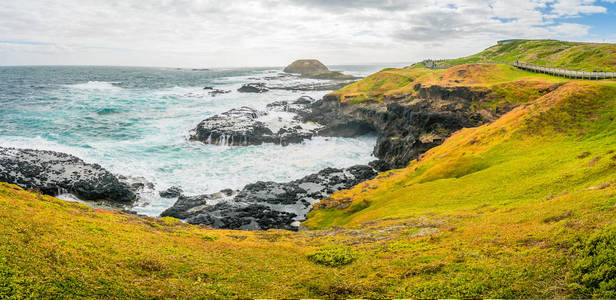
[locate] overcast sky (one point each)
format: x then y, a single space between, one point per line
230 33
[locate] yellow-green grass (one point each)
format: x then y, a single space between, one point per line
55 249
496 211
575 56
396 83
528 154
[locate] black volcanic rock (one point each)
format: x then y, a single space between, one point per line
171 192
247 126
253 88
236 127
216 92
53 173
266 204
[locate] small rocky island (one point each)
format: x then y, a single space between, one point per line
312 68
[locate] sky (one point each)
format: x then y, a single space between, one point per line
250 33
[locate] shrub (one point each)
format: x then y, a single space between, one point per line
209 238
595 270
333 256
170 220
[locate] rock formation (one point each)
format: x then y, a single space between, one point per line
306 67
313 68
253 88
54 173
406 126
265 205
279 124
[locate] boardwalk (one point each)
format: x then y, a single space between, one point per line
565 73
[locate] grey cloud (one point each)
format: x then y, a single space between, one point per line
346 5
270 32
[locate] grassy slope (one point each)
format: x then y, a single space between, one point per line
536 144
469 71
521 191
401 82
493 212
558 54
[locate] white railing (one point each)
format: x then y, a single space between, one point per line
565 73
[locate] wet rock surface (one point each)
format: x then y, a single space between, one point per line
54 173
280 123
171 192
253 88
216 92
265 205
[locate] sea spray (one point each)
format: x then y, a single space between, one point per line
135 122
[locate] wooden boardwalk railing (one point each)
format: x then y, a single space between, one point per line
565 73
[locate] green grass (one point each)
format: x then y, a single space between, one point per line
525 141
558 54
472 71
510 83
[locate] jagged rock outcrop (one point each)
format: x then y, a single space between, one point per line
279 124
265 205
409 125
171 192
253 88
54 173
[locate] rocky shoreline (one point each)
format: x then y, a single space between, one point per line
406 128
266 205
406 125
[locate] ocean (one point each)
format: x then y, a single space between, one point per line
135 121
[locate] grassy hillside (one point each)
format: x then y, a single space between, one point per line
523 207
393 83
521 191
473 71
557 54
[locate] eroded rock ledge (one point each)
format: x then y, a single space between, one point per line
54 173
408 126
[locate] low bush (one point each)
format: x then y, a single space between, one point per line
595 271
333 256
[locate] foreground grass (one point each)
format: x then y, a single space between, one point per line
512 209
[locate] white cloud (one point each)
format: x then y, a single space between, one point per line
273 32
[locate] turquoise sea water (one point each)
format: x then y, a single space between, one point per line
134 121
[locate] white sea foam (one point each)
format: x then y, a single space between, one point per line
146 134
95 85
